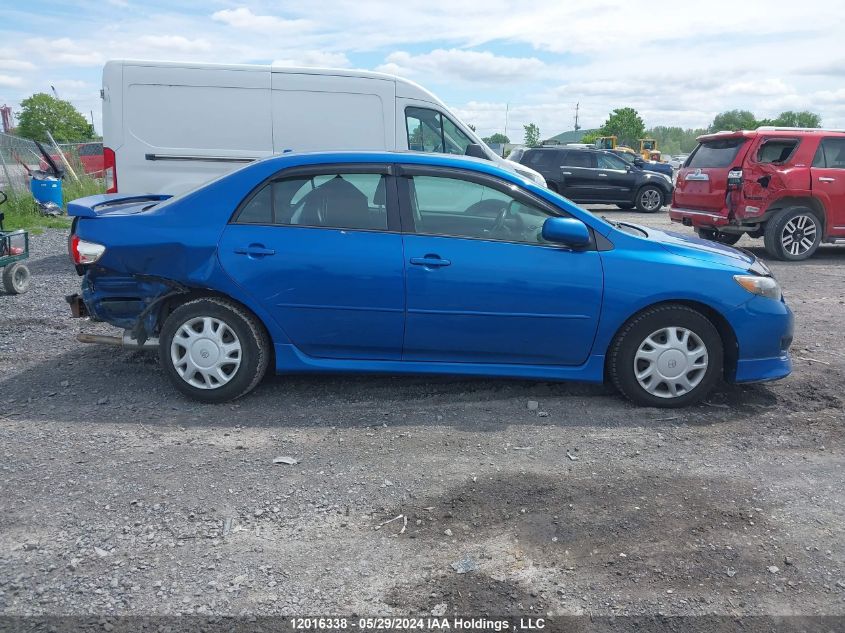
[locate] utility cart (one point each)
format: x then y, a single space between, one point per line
14 248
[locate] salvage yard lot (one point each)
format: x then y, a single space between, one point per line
117 495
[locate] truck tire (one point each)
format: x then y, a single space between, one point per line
650 199
793 234
213 350
16 278
667 356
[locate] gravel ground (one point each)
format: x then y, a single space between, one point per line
119 496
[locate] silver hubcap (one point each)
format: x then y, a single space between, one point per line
798 235
650 199
206 352
670 362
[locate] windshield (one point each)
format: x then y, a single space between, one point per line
718 153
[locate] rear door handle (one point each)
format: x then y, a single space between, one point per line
255 250
430 261
603 175
566 173
826 179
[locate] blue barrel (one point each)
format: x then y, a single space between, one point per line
47 190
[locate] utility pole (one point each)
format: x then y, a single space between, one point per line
507 109
577 106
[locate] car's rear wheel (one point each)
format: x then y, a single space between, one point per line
650 199
16 278
793 234
667 356
717 236
625 205
213 350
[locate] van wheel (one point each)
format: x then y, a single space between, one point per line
650 199
16 278
667 356
793 234
213 350
717 236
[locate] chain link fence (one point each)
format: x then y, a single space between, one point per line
19 157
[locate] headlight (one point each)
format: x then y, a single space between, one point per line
763 286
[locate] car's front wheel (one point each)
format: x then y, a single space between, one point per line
650 199
213 350
667 356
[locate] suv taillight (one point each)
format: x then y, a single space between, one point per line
109 170
735 177
84 252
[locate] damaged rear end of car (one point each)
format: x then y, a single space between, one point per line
127 279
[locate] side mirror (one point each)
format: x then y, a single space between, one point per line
568 231
474 150
639 162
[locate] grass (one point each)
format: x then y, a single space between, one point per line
21 212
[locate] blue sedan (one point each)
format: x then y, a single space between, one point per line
419 263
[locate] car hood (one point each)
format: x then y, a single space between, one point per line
699 249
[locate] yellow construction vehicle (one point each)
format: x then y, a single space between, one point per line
648 149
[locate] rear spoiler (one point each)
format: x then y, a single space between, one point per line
92 206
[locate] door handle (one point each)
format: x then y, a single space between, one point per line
826 179
603 175
430 261
566 173
255 250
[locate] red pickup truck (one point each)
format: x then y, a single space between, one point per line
786 185
90 156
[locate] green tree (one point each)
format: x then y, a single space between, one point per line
626 125
590 138
790 118
41 113
496 137
734 120
532 135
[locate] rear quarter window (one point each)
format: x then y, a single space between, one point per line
718 153
776 150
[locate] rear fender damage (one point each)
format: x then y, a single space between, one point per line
131 301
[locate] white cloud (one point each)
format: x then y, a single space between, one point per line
243 18
10 81
465 65
16 64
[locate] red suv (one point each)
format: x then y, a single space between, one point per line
786 185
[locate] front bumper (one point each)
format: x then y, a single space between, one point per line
763 329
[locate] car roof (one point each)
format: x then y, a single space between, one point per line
295 159
769 130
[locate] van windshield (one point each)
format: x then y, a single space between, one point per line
718 153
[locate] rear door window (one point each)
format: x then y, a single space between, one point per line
718 153
338 201
831 154
776 150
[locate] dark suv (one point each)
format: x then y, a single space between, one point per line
593 176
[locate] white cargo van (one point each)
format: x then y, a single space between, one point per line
170 126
